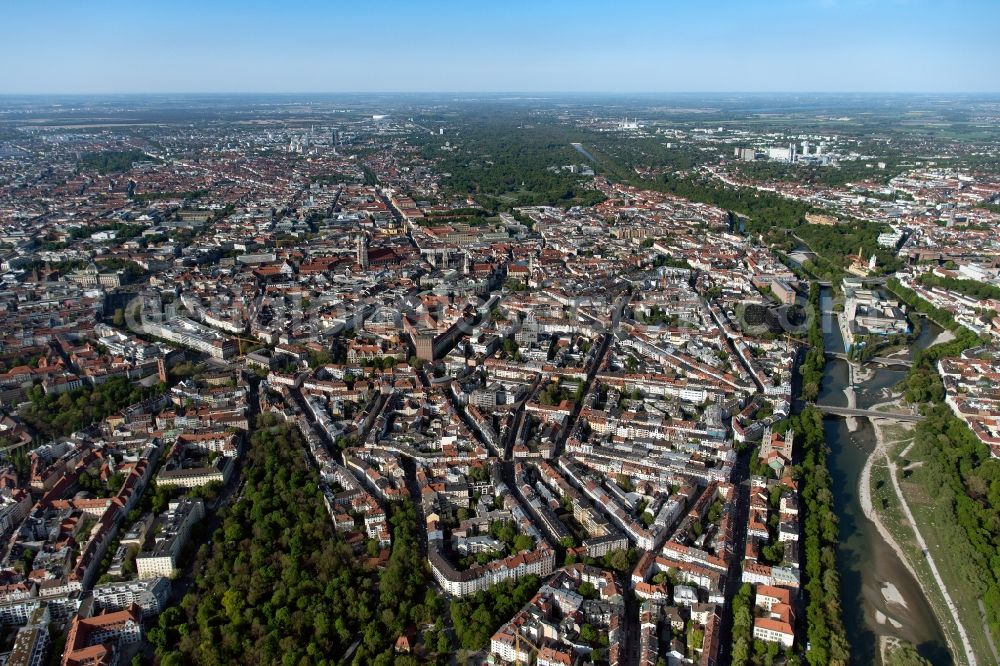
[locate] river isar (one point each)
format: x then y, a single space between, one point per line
880 597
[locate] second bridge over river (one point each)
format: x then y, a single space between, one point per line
902 417
881 360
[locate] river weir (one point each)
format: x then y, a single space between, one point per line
880 596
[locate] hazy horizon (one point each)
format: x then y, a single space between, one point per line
527 94
307 46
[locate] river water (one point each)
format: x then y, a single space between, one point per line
866 563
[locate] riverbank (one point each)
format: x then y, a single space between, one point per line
943 337
881 454
869 568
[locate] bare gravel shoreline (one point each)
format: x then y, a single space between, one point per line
867 507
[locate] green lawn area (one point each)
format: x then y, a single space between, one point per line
934 527
887 506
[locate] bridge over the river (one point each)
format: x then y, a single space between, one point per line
881 360
902 417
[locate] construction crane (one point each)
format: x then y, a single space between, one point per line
240 341
517 646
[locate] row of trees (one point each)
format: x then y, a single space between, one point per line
972 288
824 619
812 366
747 649
743 603
916 304
832 176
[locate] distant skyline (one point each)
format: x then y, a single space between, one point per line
111 46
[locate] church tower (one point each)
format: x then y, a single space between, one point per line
363 251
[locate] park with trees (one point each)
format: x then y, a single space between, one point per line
276 583
55 415
113 161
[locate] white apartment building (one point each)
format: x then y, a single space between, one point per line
176 522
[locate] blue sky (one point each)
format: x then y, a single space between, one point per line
107 46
